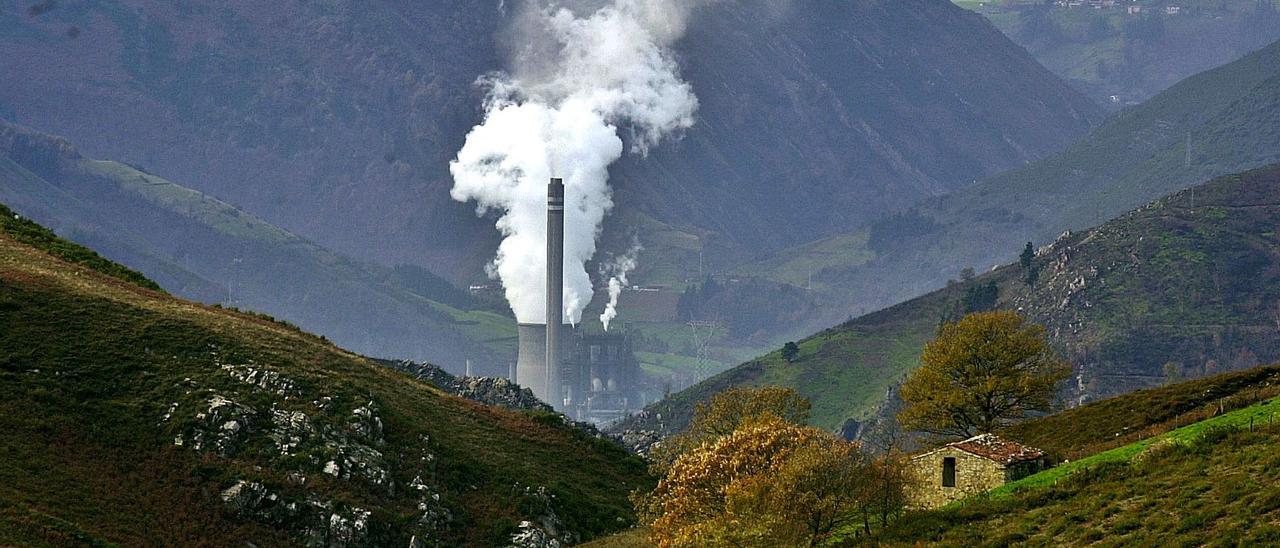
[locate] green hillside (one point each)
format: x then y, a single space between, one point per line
1212 481
1184 287
204 249
130 417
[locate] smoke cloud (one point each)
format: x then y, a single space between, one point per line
584 76
616 271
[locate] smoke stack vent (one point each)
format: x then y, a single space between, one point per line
555 288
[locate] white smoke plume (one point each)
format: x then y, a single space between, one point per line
582 73
616 270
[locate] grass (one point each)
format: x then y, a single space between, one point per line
205 249
1211 483
168 196
27 232
803 266
90 363
1114 422
1257 415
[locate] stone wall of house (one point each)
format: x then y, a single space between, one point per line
974 475
1019 470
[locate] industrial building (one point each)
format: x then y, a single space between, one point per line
590 377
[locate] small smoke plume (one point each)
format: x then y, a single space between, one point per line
616 271
584 75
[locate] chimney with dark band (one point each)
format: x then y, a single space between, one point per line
555 288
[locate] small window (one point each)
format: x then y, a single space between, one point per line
949 472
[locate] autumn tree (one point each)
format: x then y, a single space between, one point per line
725 413
981 373
768 483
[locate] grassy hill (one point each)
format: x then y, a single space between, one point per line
201 248
1210 481
1107 449
1184 287
130 417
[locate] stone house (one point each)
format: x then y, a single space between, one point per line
965 468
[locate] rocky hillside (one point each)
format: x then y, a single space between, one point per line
130 417
201 248
1183 287
336 120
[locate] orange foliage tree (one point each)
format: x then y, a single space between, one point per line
768 483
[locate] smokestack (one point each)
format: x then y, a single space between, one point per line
555 287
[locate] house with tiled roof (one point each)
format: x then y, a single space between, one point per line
969 467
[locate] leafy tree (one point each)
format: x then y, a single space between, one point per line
790 351
1172 372
769 483
981 373
981 297
725 413
1029 271
884 494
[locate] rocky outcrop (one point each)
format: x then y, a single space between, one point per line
496 391
640 442
306 436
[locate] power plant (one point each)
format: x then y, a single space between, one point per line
589 377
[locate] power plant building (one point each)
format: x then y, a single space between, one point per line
589 377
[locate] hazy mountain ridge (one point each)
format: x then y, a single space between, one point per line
1198 287
204 249
336 121
1227 115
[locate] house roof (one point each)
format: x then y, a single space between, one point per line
995 448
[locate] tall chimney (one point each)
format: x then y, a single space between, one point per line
555 287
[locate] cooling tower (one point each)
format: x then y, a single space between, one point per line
531 359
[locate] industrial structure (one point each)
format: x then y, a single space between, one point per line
602 372
587 376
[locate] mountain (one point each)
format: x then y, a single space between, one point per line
1183 287
130 417
336 120
1120 57
1216 123
204 249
